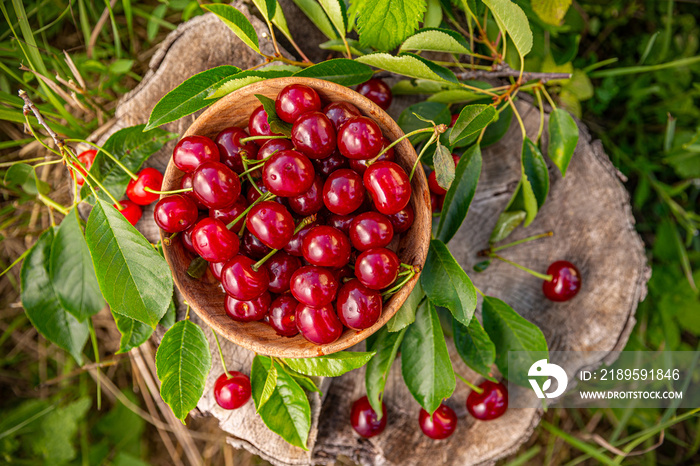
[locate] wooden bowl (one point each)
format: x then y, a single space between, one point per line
205 295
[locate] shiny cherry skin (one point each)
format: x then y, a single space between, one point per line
402 220
358 307
242 281
364 420
319 325
215 185
296 100
175 213
253 247
271 223
232 390
309 202
377 91
435 188
232 151
282 315
274 145
230 213
377 268
315 286
185 183
258 125
440 425
389 186
491 403
360 166
186 237
213 241
253 194
343 192
326 247
333 162
340 112
565 283
341 222
191 151
87 158
360 138
371 230
130 210
313 135
280 268
215 269
288 173
294 245
247 311
146 178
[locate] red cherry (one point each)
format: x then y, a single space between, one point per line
130 210
440 425
232 151
309 202
402 220
364 420
371 230
377 268
360 166
215 269
319 325
341 222
377 91
389 187
453 120
243 282
232 391
296 100
86 158
253 194
253 247
343 192
294 245
213 241
565 283
282 316
271 223
281 267
456 158
313 135
288 173
146 178
175 213
247 311
230 213
360 138
436 203
491 403
326 247
215 185
340 112
185 183
435 188
314 286
274 145
187 237
342 273
358 307
333 162
192 151
258 125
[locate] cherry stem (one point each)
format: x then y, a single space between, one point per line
257 138
520 241
432 139
174 191
114 159
543 276
306 221
412 133
469 384
264 197
248 175
221 353
409 277
262 261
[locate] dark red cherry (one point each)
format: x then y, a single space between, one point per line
215 269
456 158
213 241
274 145
377 91
377 268
435 188
253 247
319 324
243 282
192 151
215 185
130 210
402 220
288 173
440 425
247 311
175 213
185 183
343 192
358 307
453 120
281 267
253 194
565 283
314 286
86 158
360 166
371 230
294 245
258 125
271 223
230 213
389 186
313 135
187 237
360 138
326 247
342 273
296 100
282 316
364 420
436 203
340 112
232 151
232 391
333 162
311 201
147 178
341 222
491 403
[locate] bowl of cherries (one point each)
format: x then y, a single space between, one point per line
295 224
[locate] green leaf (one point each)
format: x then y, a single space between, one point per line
337 12
420 86
551 11
498 128
507 222
406 314
512 20
563 138
238 23
339 70
267 8
315 13
135 280
168 320
474 346
277 125
436 40
242 79
446 284
71 271
42 305
331 365
444 166
509 331
338 45
384 24
133 332
189 96
53 437
433 14
23 176
459 197
408 121
454 96
305 382
472 119
535 181
410 65
268 388
183 361
425 362
385 345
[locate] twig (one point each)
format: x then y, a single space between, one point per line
30 107
502 70
80 370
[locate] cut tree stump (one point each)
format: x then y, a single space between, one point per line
589 212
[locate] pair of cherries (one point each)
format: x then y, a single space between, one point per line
490 404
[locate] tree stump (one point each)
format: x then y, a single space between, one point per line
588 210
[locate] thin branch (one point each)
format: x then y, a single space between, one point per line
30 107
505 71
